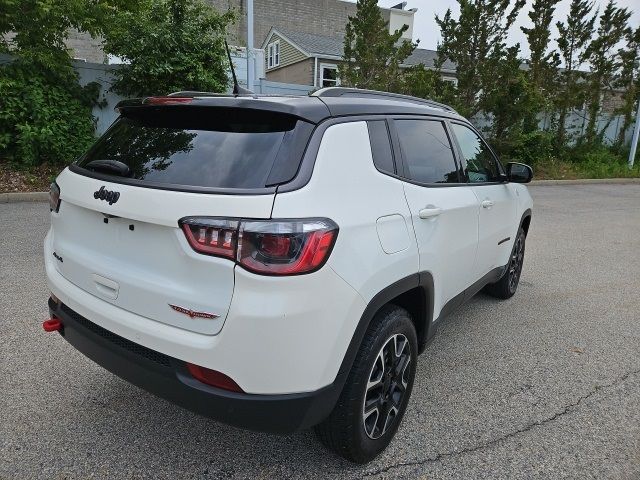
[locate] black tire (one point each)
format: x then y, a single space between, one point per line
346 431
508 283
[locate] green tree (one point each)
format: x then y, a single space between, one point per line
469 41
372 56
424 82
629 81
170 45
45 114
508 97
573 37
542 63
602 56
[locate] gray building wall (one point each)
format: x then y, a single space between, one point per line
300 73
85 47
320 17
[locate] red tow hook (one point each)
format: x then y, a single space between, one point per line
52 325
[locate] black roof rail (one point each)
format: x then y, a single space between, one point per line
362 93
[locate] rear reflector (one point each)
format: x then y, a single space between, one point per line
213 378
52 325
266 247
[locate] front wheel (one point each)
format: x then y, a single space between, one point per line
508 283
377 390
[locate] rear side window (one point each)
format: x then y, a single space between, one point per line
203 147
381 146
427 151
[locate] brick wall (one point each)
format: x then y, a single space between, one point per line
84 47
320 17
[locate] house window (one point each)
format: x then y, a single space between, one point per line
273 54
329 76
454 81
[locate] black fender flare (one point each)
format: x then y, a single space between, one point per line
525 214
424 282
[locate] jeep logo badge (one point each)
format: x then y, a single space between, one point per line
106 195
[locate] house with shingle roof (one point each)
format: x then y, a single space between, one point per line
312 59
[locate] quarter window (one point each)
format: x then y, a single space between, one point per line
427 151
273 54
478 161
381 146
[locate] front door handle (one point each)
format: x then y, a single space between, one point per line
487 204
429 212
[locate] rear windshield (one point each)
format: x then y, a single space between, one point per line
201 147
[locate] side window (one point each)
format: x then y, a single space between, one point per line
481 165
427 151
381 146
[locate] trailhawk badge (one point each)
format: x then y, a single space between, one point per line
193 313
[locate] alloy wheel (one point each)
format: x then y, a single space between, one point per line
386 386
515 264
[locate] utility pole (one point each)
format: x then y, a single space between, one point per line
634 140
250 64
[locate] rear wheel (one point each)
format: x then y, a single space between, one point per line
377 390
508 283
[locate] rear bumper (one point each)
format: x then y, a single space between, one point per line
168 378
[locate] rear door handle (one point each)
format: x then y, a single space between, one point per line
429 212
487 204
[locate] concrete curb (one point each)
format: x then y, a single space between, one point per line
588 181
24 197
44 196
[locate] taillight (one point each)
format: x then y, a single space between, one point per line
54 197
267 247
285 247
212 236
213 378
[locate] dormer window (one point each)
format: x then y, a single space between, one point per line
273 54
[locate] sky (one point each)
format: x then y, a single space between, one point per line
427 31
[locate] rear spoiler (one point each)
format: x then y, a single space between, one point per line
309 109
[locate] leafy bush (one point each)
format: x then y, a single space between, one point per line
531 148
43 120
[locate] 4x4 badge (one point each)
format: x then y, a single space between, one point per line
106 195
193 313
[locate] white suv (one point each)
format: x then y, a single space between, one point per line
278 263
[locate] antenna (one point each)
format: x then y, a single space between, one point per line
237 89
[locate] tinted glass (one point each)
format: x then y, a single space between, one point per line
201 147
480 165
381 146
427 151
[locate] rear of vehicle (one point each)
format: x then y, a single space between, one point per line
166 266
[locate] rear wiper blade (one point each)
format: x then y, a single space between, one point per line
109 166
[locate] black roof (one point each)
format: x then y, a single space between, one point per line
320 105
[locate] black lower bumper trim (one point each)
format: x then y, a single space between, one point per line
168 378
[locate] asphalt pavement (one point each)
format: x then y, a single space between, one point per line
545 385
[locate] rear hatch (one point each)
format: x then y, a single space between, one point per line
117 235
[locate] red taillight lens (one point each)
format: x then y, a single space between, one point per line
213 378
54 197
212 236
268 247
285 247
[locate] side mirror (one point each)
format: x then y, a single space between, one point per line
519 172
